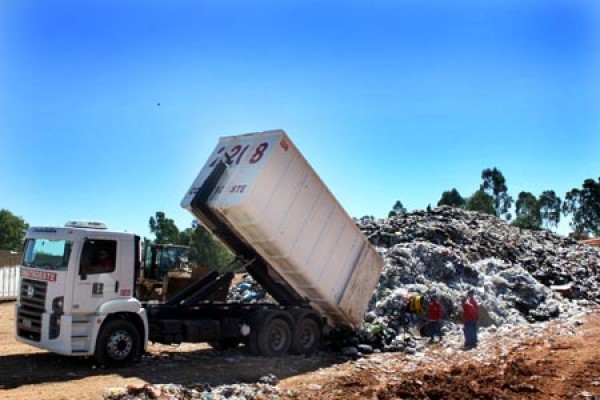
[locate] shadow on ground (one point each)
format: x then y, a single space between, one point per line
200 366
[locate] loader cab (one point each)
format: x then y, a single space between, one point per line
159 259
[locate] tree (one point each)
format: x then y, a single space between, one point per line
494 185
164 229
482 202
12 231
528 212
549 209
452 198
584 205
205 250
397 209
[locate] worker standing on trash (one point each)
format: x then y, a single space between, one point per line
435 319
470 317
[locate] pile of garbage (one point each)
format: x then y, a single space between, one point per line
265 388
519 276
247 290
552 260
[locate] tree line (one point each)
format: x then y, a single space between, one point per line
531 212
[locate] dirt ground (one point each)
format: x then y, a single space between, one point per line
560 363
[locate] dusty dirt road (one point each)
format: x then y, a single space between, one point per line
560 363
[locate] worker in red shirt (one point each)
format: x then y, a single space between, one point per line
470 317
435 318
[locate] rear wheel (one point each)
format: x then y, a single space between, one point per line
307 336
275 338
118 343
271 334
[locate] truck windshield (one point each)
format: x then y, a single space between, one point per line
47 254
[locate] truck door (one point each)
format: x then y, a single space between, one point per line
98 278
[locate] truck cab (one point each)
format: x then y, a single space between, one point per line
76 291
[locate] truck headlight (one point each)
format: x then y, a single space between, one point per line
58 304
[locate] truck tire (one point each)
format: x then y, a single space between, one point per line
118 343
307 336
271 334
275 337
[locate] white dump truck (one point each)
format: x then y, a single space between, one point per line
260 197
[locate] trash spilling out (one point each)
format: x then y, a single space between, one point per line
248 291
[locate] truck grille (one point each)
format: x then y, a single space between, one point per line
32 299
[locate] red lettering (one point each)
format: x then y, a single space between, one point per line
238 188
212 164
259 153
40 275
284 145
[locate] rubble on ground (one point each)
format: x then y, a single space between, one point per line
264 389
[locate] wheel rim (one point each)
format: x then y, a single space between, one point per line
307 337
277 338
119 345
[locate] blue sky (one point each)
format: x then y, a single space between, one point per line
387 100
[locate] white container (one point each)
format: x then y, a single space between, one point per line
276 203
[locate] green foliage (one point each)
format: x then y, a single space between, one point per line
536 213
494 185
528 211
549 209
482 202
164 229
12 231
397 209
527 222
205 250
452 198
584 205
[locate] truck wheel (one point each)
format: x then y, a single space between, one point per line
118 343
275 338
307 336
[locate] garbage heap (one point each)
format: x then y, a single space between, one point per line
519 276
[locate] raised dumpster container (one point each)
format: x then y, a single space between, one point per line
272 200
